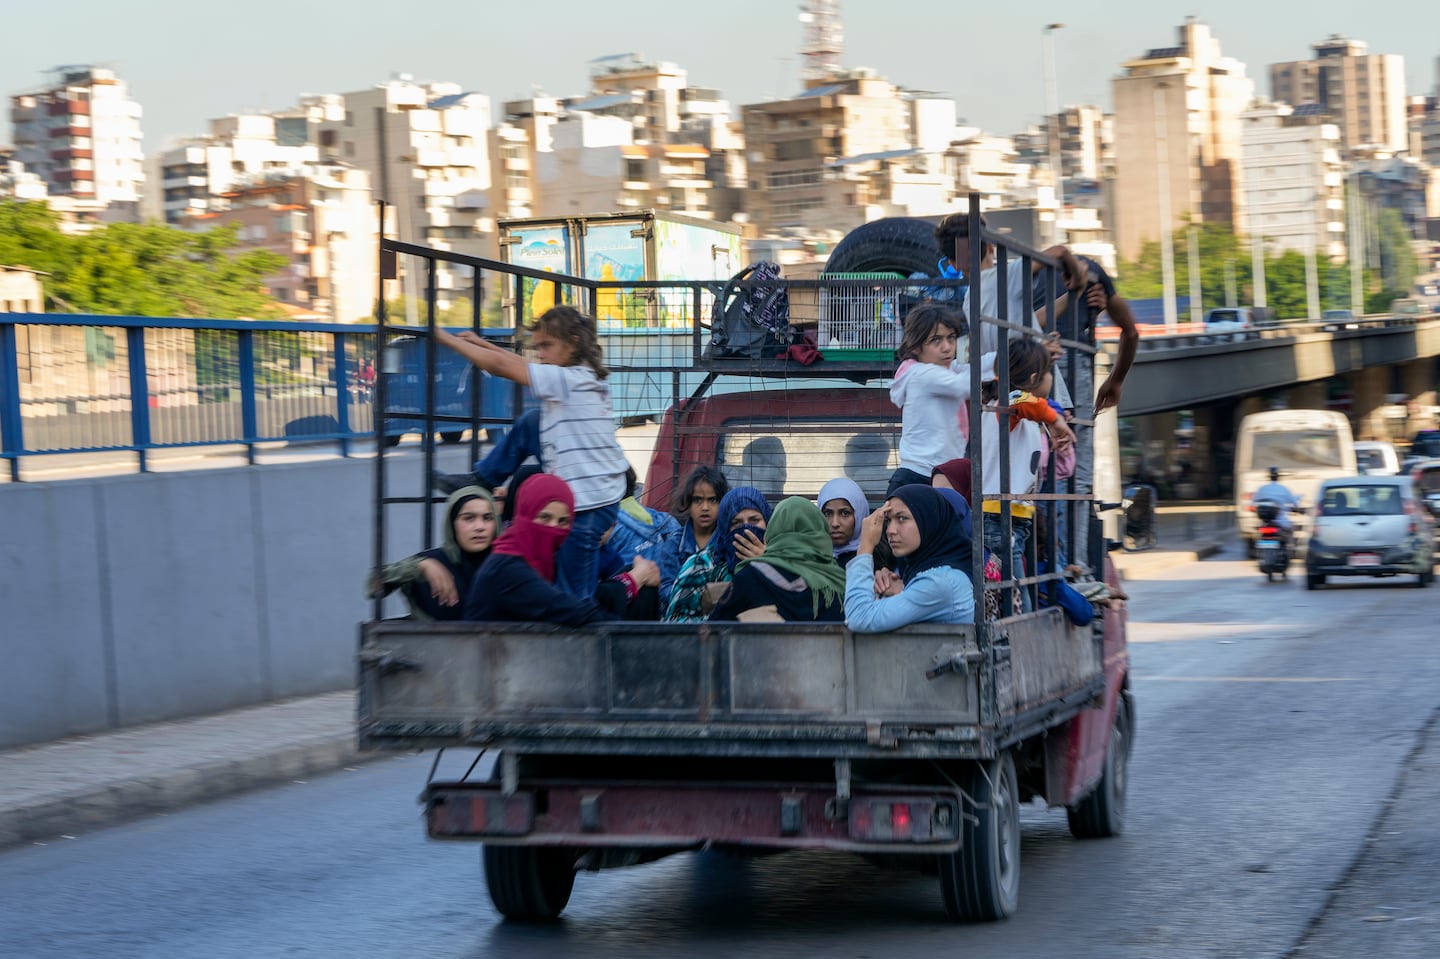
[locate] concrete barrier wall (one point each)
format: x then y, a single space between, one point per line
142 598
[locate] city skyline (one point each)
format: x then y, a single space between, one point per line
178 103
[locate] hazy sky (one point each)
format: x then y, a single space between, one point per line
187 62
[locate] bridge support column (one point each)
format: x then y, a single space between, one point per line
1247 405
1368 390
1307 396
1156 433
1419 380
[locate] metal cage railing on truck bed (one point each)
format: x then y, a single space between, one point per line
657 337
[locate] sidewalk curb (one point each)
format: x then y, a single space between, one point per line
1167 559
111 804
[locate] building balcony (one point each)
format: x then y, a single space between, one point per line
636 186
180 182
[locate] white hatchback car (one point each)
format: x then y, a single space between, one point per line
1369 526
1377 458
1237 321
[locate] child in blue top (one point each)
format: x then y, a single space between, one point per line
929 541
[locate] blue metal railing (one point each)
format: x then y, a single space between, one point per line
84 384
73 383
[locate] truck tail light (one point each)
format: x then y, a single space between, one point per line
904 820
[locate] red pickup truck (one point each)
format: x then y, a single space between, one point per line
624 742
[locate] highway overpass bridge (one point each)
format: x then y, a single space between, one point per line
1186 370
1187 391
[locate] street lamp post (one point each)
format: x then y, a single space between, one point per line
1167 243
1257 258
1192 244
1052 126
1355 244
1312 272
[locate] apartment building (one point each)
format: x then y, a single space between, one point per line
196 171
1293 179
426 149
642 138
1364 91
81 134
1384 181
18 183
322 219
792 147
21 290
1177 121
1430 138
1084 135
995 167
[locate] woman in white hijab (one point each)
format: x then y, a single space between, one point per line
843 505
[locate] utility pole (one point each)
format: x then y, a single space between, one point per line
1167 242
1052 128
1356 249
1192 242
1257 260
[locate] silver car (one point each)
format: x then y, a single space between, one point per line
1369 526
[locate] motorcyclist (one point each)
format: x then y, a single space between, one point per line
1279 494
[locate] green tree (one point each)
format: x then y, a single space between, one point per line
1221 251
1398 266
143 270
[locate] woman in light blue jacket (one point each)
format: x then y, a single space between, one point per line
932 551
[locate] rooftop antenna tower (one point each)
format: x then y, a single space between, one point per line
824 40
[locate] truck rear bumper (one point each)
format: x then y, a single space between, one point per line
895 819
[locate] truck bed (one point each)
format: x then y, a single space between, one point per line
724 689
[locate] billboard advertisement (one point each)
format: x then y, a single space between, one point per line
541 248
612 253
687 251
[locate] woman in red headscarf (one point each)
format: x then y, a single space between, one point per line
517 582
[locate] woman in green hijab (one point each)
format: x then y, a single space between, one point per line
797 579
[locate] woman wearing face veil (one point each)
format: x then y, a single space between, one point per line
739 534
517 582
932 553
797 578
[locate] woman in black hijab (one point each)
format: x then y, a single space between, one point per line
932 552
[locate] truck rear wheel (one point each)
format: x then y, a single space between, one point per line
1102 813
981 881
529 883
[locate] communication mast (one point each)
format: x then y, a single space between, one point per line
824 39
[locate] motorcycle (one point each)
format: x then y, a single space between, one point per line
1273 542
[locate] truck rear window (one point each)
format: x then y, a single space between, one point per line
796 457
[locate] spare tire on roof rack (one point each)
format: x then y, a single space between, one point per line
902 245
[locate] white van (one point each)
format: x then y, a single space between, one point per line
1307 446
